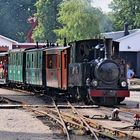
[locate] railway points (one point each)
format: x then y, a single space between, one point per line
103 128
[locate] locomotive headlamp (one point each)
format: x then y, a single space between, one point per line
88 81
94 83
123 84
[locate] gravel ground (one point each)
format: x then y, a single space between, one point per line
19 124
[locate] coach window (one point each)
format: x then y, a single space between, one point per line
32 61
27 65
18 59
52 61
49 62
11 59
14 62
39 59
15 59
12 56
21 56
35 57
37 54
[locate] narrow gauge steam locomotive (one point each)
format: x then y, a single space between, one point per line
88 69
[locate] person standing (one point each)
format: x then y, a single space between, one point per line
1 69
130 74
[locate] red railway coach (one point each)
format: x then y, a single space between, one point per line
57 60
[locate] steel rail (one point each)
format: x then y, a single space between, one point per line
61 119
74 122
113 132
22 105
46 114
66 118
83 120
99 129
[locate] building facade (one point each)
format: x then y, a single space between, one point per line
6 43
129 47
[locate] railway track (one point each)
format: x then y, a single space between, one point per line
72 120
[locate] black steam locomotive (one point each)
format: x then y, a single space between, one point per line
96 71
91 70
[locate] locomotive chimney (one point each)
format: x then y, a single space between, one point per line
126 32
108 48
116 49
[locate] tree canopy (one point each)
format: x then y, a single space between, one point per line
125 11
14 15
78 19
47 11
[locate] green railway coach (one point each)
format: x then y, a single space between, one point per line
35 67
16 60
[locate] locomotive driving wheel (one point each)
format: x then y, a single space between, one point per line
86 97
79 94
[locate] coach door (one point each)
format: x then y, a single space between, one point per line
64 67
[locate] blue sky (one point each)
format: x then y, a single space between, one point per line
103 4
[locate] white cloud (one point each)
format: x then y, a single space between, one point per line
103 4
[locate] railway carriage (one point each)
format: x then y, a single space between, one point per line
57 60
3 68
16 67
35 68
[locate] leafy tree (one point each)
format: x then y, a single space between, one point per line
14 15
79 20
47 20
125 11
